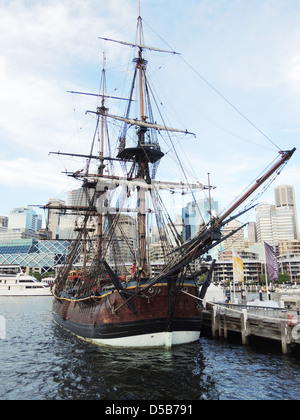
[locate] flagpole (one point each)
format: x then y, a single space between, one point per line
272 266
266 272
238 271
232 252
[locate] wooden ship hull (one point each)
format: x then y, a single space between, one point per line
164 316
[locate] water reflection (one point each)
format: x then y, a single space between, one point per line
39 360
94 372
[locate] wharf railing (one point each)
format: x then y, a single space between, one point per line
260 321
259 311
273 323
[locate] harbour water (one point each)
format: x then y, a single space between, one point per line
40 361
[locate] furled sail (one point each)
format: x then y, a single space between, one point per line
144 124
106 183
143 47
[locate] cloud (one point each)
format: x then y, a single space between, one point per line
295 69
44 46
28 106
27 173
255 42
57 28
50 46
2 68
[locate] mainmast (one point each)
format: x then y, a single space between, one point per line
147 150
141 66
103 112
143 167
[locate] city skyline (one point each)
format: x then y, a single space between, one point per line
59 50
280 218
22 242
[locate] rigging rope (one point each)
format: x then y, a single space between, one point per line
216 90
229 103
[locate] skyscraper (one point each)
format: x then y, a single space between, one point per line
195 214
236 241
274 224
252 234
285 199
264 223
23 218
53 217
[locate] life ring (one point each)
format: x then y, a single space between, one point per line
291 323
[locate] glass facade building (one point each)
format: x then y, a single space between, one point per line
195 214
31 253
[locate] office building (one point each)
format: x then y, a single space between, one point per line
289 248
196 214
54 216
236 241
264 223
67 223
252 234
223 272
124 243
290 265
285 224
24 218
274 224
285 199
3 222
22 223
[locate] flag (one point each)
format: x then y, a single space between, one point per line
271 263
238 267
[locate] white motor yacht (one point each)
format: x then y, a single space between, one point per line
21 284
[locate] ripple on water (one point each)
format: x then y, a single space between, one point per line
39 360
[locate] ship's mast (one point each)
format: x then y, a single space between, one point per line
102 114
145 152
143 169
141 66
101 167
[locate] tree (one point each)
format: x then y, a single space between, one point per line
283 278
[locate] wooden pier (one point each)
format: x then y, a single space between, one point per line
270 323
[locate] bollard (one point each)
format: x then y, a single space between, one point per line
285 338
214 321
244 331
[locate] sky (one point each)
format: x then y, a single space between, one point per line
249 51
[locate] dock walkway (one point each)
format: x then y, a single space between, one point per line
271 323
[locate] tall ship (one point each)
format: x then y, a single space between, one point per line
120 293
